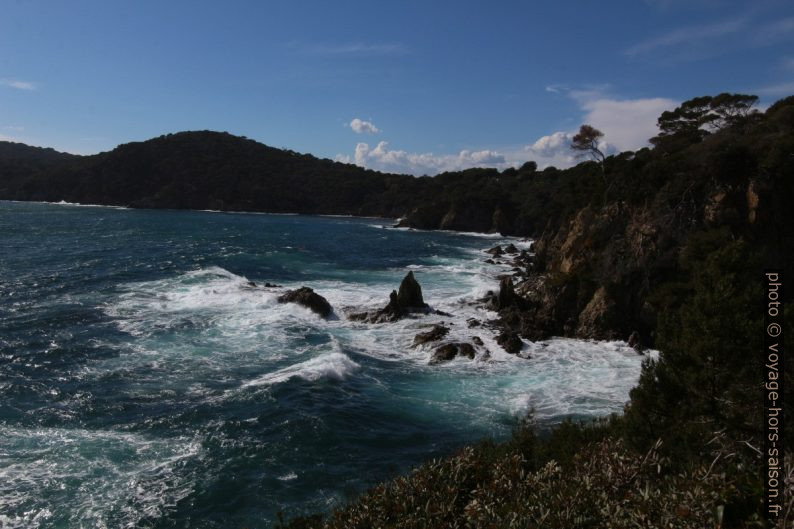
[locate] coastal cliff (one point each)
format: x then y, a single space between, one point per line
666 249
610 268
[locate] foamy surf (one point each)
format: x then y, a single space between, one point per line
131 478
166 379
333 366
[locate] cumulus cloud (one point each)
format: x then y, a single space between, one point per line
19 85
627 125
383 158
547 145
361 127
553 149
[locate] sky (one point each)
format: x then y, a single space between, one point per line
412 86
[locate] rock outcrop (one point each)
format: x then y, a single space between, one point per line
433 335
635 342
409 295
308 298
496 251
448 351
507 296
510 342
403 302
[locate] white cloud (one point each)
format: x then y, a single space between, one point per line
778 90
703 41
19 85
551 150
382 158
355 48
664 5
548 145
688 35
627 124
482 157
775 30
362 127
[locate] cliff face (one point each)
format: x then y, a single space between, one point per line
606 270
614 265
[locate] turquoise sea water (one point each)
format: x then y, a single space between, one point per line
144 383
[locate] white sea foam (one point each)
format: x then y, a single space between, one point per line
334 366
450 232
211 320
77 204
131 477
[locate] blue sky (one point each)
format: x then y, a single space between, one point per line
433 85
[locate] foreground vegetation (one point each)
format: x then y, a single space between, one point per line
577 477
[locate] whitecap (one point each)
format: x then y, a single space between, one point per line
333 366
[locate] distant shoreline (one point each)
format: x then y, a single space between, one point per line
327 215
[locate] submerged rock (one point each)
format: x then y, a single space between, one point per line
433 335
308 298
253 284
448 351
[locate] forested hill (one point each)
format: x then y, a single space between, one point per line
702 150
200 170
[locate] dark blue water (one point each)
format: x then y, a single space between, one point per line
143 382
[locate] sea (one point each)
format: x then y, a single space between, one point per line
145 382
